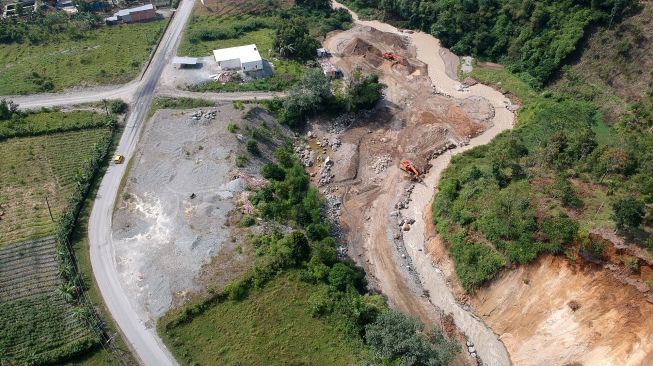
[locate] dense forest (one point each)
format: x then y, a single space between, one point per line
531 38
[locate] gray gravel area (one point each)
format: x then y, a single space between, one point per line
171 215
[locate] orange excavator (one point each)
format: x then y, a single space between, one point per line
411 169
393 57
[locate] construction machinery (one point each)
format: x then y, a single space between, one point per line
411 169
118 159
393 57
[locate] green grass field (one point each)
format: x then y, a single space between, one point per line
36 167
108 55
272 326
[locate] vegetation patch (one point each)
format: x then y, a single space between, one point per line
105 55
541 186
272 326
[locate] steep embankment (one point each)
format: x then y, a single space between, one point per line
532 308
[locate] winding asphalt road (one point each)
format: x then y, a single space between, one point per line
143 339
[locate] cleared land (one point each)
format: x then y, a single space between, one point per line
273 326
108 55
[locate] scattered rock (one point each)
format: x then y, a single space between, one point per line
405 227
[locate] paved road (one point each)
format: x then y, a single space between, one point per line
143 339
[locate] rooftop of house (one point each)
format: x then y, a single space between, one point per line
248 53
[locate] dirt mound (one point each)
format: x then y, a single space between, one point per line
360 47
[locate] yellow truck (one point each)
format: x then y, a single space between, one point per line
118 159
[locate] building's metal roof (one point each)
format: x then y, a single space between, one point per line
248 53
182 60
124 12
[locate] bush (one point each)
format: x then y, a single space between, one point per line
325 251
247 221
241 161
362 92
252 147
317 232
345 274
628 213
273 171
292 40
118 106
397 339
232 127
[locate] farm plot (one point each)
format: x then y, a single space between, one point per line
36 323
34 168
107 55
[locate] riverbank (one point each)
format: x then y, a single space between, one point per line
377 236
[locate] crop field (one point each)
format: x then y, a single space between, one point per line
50 122
108 55
36 323
273 326
34 168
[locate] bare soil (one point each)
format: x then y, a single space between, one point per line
416 121
172 216
609 326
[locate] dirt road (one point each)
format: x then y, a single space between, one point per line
392 272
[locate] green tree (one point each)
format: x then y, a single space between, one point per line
628 213
314 4
363 92
292 40
7 109
397 339
306 97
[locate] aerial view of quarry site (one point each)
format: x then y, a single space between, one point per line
318 182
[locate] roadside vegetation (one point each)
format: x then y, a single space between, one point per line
299 296
53 51
46 316
531 38
286 36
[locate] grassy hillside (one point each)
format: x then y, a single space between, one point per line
273 326
542 187
615 67
106 55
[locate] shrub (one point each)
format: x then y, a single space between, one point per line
345 274
241 161
273 171
118 106
247 221
232 127
628 213
397 339
317 231
252 147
